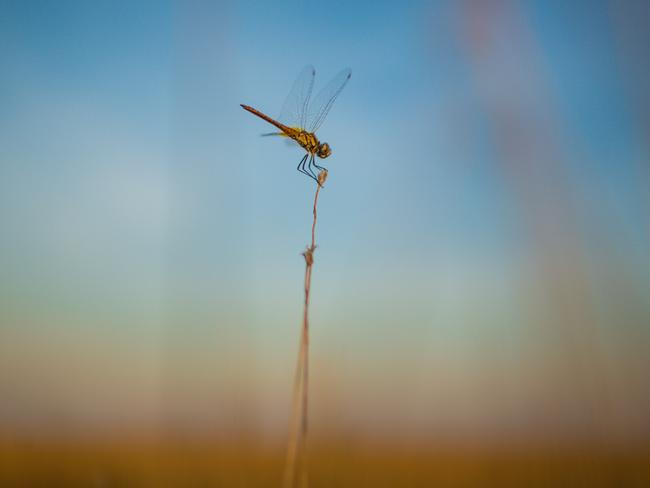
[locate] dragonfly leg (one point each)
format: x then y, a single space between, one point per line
312 162
301 165
320 168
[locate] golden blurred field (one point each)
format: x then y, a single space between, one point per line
144 464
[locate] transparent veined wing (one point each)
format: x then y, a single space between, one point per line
287 140
294 110
322 103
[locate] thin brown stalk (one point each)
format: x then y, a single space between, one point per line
297 447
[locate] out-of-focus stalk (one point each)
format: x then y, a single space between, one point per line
297 448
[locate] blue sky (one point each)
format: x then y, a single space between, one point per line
141 213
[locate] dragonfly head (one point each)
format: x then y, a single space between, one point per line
324 150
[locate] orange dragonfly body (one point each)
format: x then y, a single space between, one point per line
300 119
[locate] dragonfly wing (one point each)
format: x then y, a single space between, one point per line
287 140
323 102
294 110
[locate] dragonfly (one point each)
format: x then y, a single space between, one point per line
301 116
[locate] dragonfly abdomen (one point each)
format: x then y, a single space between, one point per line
254 111
306 139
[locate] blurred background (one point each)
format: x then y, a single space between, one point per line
481 292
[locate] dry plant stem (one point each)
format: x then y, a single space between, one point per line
297 448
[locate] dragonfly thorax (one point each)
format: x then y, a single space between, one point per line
310 142
307 140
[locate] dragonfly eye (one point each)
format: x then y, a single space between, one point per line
324 150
